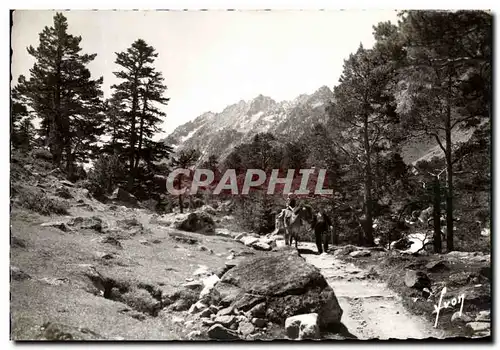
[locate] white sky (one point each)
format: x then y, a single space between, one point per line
211 59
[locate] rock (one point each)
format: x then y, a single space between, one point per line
223 232
435 266
177 320
258 310
246 328
302 326
360 253
63 192
259 245
201 270
92 223
202 248
16 242
113 241
225 320
198 221
345 250
284 283
57 224
67 183
197 307
18 275
463 318
206 312
220 332
57 331
125 197
417 279
249 240
485 271
209 283
478 326
239 236
483 316
208 209
194 285
259 322
207 322
230 256
400 244
226 311
193 335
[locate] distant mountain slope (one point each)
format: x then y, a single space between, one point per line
218 133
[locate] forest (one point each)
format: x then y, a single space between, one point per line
429 77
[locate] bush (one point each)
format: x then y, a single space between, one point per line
40 203
42 153
106 174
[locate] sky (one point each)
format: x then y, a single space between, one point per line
211 59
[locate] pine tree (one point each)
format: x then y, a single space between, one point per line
61 92
134 108
447 82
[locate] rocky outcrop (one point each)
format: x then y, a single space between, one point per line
282 284
199 222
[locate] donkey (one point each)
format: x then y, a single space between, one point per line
293 222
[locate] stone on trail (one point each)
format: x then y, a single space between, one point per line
17 274
220 332
91 223
302 326
360 253
194 285
259 245
249 240
417 279
285 283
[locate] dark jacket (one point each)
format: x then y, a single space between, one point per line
320 225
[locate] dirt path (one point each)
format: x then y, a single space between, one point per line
371 310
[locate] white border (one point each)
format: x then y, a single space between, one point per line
192 5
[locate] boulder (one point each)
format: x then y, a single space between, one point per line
91 223
220 332
360 253
259 322
460 318
249 240
246 328
259 245
348 249
123 196
198 221
208 284
302 326
417 279
283 283
435 266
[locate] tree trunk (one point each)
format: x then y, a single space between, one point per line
141 129
181 204
449 174
437 215
132 140
368 227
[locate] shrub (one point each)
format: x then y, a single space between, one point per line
108 170
40 203
42 153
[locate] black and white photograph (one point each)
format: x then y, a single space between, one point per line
249 175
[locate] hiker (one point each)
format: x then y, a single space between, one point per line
321 224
